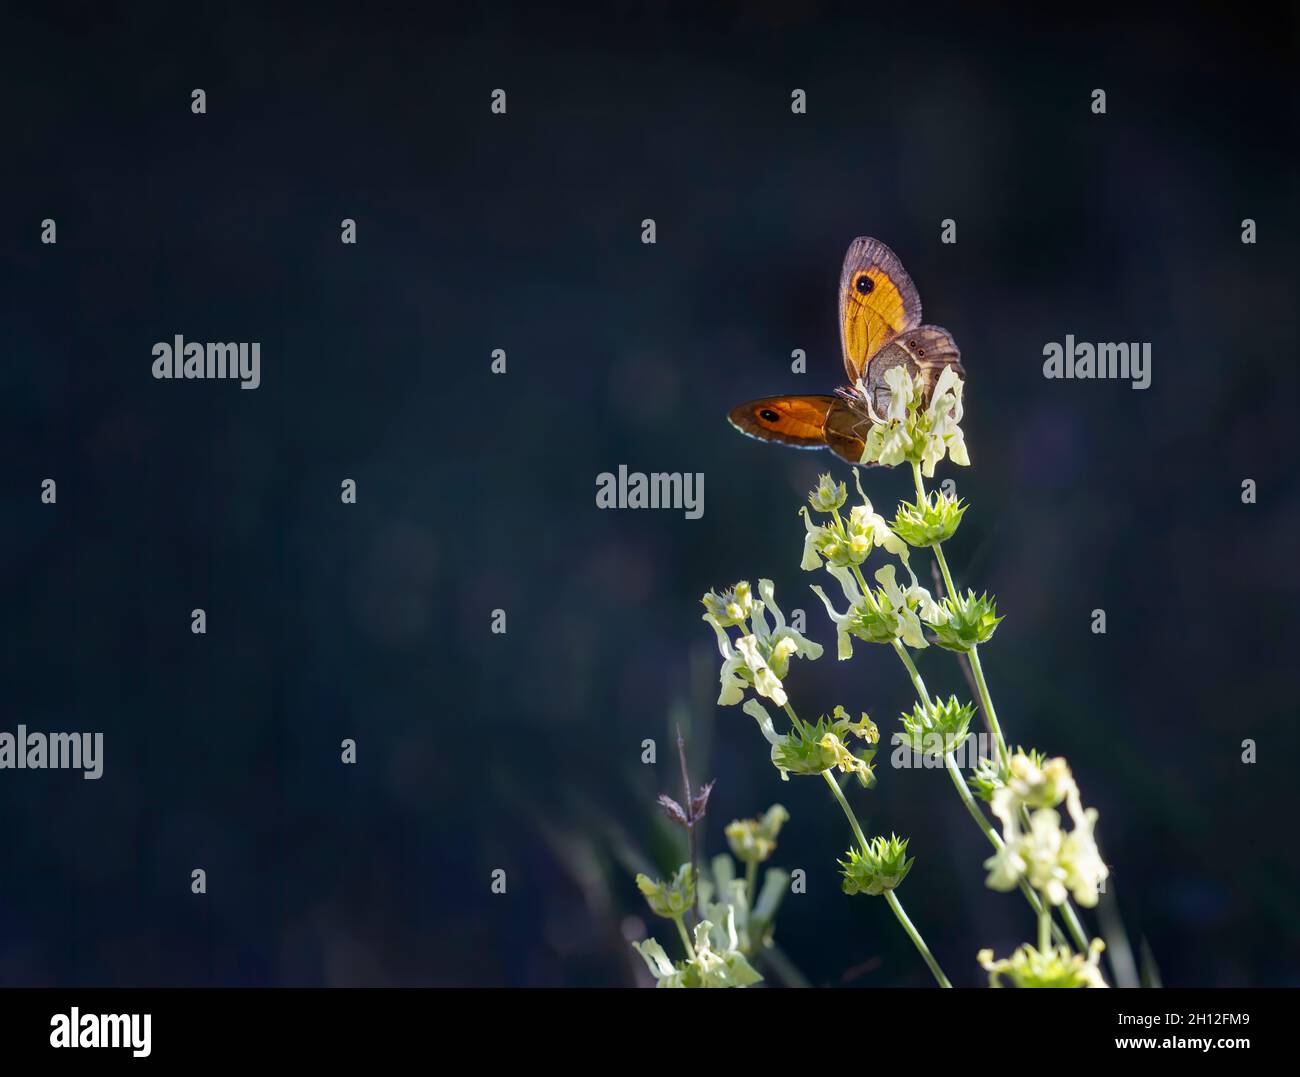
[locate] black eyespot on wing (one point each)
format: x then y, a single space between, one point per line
768 415
864 284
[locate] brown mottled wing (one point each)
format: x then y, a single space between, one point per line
846 431
925 351
789 420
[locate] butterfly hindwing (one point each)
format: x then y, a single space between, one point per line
924 351
846 431
877 302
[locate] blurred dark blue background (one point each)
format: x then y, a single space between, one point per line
522 232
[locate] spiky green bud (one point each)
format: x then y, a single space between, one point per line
827 495
933 520
990 775
876 623
970 622
880 867
732 607
940 728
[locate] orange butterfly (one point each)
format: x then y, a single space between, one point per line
880 327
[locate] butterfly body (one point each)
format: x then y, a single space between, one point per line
880 328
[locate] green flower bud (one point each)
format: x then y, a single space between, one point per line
1056 967
731 608
672 899
933 520
813 747
939 730
990 775
879 867
831 543
827 495
970 621
878 624
881 616
754 840
986 778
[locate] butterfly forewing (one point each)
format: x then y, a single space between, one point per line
877 302
790 420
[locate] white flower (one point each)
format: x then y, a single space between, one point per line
817 541
733 683
943 422
1006 868
906 603
758 712
717 955
761 657
889 613
665 973
848 542
843 621
717 962
902 393
1057 863
909 432
766 682
889 445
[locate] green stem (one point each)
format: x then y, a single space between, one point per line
937 547
1068 913
995 839
686 938
1073 922
981 820
985 701
920 486
917 941
951 763
794 718
1044 931
848 812
981 685
912 933
751 880
917 683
